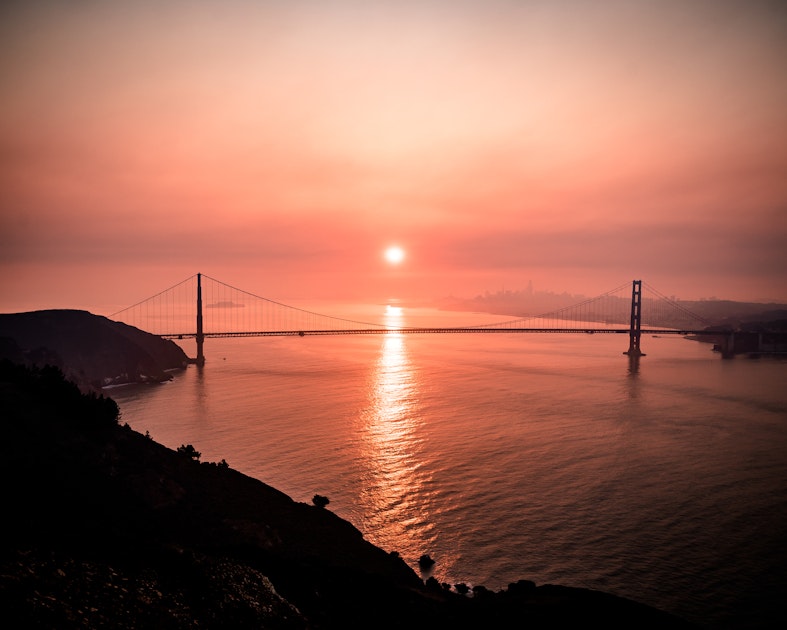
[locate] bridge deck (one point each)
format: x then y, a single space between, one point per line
437 330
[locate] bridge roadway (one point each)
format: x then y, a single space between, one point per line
438 330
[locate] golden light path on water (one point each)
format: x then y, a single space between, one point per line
396 496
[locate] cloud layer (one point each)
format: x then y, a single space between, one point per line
287 144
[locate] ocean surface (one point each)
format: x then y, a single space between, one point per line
548 457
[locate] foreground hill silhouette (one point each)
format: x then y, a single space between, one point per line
103 527
92 351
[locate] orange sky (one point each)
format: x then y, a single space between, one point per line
281 146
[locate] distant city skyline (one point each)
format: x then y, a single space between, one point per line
285 147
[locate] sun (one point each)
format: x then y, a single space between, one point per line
394 255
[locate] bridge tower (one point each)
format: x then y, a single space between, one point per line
200 337
636 320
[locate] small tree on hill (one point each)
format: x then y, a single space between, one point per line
189 451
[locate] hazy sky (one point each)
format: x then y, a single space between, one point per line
280 146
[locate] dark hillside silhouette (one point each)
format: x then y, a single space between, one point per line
92 350
103 527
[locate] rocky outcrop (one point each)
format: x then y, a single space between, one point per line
91 350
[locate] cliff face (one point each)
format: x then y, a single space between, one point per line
92 351
103 527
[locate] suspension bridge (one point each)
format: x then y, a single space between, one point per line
202 307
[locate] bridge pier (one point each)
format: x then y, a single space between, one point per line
636 320
728 346
200 336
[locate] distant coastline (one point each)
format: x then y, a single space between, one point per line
528 303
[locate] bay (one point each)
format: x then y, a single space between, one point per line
513 456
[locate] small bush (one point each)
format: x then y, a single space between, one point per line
425 562
189 451
320 501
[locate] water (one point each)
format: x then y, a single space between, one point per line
543 457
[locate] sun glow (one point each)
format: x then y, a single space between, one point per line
394 255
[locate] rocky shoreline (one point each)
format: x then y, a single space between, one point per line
107 528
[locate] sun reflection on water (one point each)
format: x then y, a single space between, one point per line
395 496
